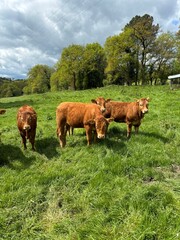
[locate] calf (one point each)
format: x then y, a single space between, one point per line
80 115
27 123
99 101
130 113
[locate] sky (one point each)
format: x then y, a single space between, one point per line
35 32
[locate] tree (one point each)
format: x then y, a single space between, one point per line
176 63
69 66
161 57
79 67
10 88
38 80
120 54
144 33
94 63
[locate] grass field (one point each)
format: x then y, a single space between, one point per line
116 189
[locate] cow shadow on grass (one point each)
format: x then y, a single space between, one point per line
117 145
112 142
155 135
9 154
117 133
47 147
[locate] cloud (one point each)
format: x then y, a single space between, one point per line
35 32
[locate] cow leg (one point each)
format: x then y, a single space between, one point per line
136 127
32 140
24 140
67 129
62 136
62 140
95 136
129 128
88 135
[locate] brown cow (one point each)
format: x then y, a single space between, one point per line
27 123
99 101
2 111
81 115
129 112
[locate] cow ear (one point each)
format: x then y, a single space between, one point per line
108 100
93 101
110 119
137 100
148 99
90 122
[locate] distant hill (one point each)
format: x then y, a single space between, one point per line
11 88
4 80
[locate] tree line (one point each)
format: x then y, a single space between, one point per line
140 54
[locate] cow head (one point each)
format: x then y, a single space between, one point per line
101 125
26 118
101 102
143 105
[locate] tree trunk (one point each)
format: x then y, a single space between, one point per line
73 85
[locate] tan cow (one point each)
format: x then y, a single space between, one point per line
2 111
130 113
99 101
27 123
81 115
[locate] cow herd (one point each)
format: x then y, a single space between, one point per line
94 117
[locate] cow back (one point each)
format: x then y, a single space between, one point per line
123 111
76 114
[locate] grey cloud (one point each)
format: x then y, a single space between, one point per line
35 32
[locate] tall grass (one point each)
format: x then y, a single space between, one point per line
115 189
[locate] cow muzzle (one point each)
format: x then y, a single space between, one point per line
100 136
103 109
27 127
145 111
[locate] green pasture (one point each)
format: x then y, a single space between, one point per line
116 189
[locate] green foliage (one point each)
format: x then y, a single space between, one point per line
11 88
162 57
115 189
80 68
120 59
144 33
69 66
94 64
176 63
38 80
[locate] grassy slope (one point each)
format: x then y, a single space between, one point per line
115 189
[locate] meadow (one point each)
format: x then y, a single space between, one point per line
116 189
